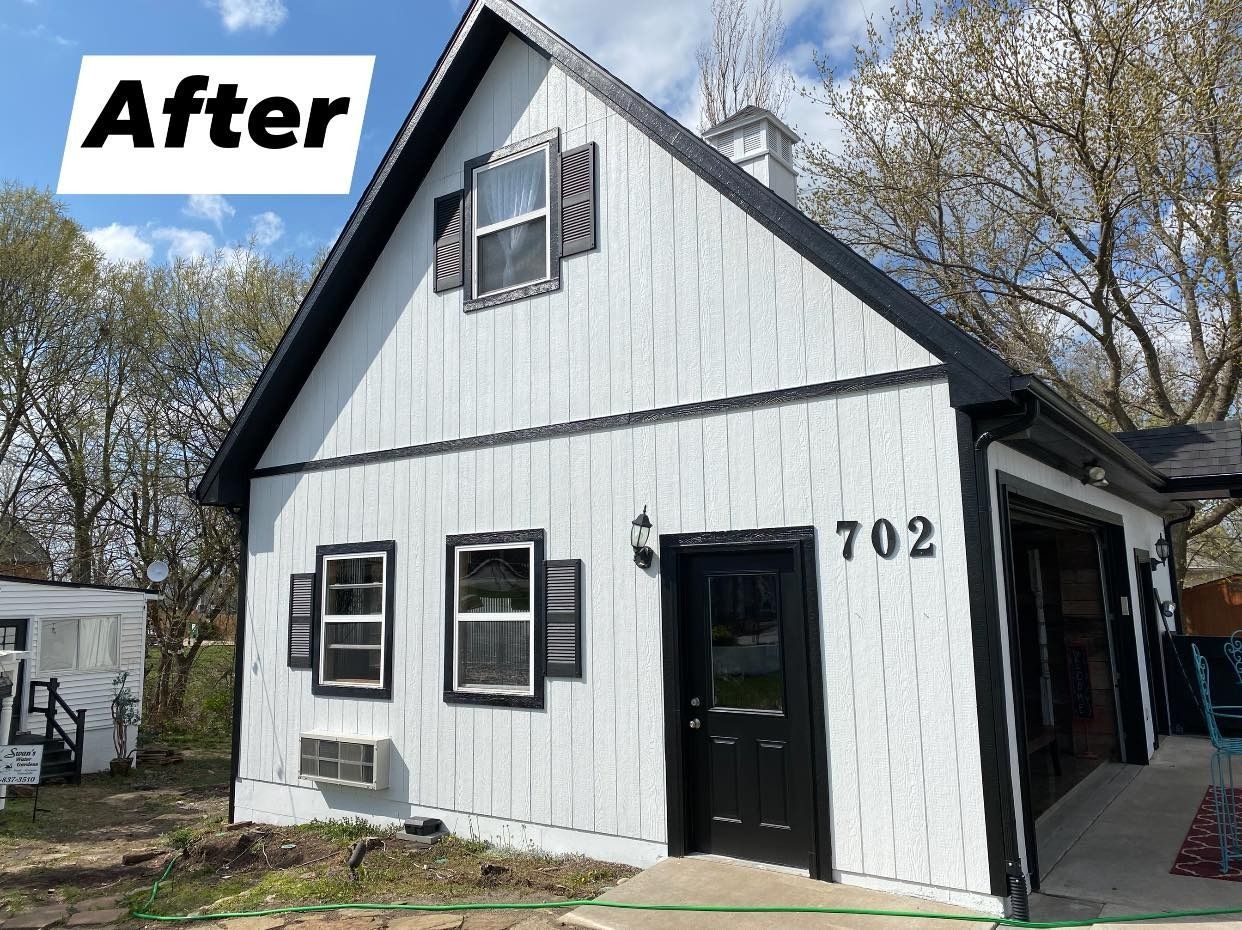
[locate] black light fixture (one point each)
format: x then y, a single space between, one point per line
1095 475
640 532
1163 551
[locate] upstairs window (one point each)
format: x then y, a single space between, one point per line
354 642
511 231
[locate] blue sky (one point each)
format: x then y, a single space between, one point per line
649 43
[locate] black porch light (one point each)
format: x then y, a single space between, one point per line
640 532
1163 550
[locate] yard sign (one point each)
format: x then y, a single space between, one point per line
19 765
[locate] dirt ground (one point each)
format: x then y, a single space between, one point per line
75 865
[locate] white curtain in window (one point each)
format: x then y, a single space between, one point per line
513 255
97 642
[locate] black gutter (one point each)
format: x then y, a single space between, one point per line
990 671
239 649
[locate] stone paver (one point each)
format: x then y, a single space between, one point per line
493 920
36 919
426 922
252 923
97 904
98 918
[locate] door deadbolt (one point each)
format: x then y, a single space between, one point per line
695 702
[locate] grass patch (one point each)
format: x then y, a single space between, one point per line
207 718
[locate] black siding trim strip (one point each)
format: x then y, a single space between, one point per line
618 420
1000 822
239 656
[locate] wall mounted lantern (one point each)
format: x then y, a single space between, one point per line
640 532
1163 551
1095 475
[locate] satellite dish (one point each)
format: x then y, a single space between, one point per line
157 571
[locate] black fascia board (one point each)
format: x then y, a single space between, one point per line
979 375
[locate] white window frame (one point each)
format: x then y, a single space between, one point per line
477 232
77 643
325 618
459 618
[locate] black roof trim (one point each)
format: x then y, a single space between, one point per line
75 584
982 375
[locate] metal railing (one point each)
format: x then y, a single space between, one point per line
52 728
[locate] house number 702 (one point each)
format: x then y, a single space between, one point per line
884 537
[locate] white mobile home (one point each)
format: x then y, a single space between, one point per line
553 308
78 638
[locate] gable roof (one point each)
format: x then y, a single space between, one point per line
980 375
18 546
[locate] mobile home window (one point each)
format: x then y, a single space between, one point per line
494 624
510 237
355 618
79 644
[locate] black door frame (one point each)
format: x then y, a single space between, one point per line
19 686
1109 528
1153 643
800 541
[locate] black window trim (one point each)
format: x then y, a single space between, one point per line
326 689
552 139
535 537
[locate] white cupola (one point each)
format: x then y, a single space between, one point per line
762 145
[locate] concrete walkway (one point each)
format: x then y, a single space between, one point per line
1120 864
705 880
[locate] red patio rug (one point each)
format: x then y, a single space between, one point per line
1200 852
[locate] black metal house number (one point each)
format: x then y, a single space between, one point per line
884 537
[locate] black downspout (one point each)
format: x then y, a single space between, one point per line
239 649
1175 587
1016 880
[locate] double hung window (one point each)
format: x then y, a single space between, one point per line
355 617
511 244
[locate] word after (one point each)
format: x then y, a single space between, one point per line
286 124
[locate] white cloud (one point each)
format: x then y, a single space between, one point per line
211 207
266 228
185 243
237 15
121 243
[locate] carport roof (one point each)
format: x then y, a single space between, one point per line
1200 460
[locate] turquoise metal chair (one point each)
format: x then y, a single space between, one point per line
1224 789
1233 652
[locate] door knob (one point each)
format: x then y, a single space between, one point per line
695 723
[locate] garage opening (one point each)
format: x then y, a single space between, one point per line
1068 698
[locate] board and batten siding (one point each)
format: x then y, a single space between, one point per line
906 787
86 690
686 298
1142 529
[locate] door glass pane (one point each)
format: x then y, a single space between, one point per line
744 613
8 637
511 189
513 255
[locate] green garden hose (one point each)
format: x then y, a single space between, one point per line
702 908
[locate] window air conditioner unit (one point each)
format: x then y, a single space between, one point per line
358 761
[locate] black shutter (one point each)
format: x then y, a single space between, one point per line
563 579
578 199
301 615
448 234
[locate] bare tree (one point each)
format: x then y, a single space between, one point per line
740 65
1059 177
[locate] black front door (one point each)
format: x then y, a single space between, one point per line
13 637
747 707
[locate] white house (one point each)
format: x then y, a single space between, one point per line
890 577
79 636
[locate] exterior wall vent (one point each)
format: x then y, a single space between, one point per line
357 761
759 143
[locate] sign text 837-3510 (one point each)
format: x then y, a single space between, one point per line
19 765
